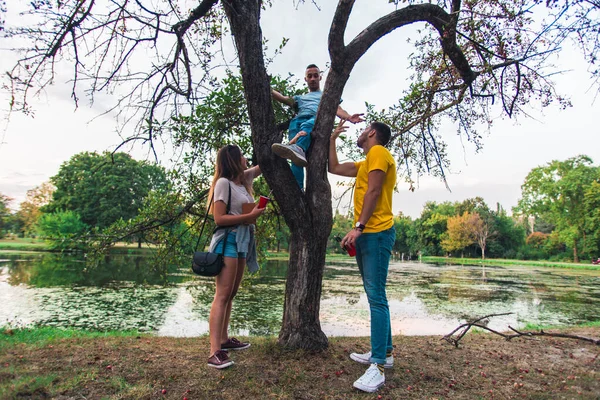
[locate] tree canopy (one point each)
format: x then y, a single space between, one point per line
104 188
4 212
29 210
557 191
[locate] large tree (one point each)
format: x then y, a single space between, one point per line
4 212
29 210
460 232
104 188
556 192
469 54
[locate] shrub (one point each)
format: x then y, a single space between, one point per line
61 228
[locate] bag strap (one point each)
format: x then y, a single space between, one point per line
206 216
228 228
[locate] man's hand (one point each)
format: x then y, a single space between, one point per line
356 118
339 129
350 238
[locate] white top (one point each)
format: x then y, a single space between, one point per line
239 194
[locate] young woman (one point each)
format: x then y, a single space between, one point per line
232 180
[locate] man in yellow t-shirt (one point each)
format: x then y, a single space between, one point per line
373 236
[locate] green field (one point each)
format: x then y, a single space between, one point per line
502 262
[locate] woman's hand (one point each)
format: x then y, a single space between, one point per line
255 213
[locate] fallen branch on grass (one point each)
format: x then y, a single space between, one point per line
464 328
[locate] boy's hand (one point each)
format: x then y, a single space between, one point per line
356 118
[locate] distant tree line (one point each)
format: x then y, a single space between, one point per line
112 196
557 218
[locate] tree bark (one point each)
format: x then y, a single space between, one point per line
308 216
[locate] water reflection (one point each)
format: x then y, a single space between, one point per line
125 293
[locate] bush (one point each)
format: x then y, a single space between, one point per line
62 228
528 252
537 240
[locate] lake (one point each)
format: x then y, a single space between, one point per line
425 299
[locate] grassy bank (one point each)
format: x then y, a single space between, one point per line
131 366
28 244
502 262
282 255
20 244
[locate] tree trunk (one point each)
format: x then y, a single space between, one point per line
309 216
575 255
301 327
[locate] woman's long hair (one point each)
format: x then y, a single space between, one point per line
228 166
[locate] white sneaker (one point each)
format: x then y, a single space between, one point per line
365 358
291 152
371 380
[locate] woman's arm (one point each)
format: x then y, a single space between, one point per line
252 173
224 219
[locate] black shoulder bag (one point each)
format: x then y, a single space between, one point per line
206 263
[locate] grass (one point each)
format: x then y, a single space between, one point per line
536 327
20 244
43 335
283 255
29 244
129 366
502 262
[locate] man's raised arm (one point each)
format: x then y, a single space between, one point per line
345 169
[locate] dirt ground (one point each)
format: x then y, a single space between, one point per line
485 366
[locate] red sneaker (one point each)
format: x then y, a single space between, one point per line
219 360
234 344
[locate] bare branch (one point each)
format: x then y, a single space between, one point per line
475 323
443 22
337 31
197 13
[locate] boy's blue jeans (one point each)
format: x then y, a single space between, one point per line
373 252
306 124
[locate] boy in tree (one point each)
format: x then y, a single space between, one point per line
302 124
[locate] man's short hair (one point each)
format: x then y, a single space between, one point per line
312 66
383 132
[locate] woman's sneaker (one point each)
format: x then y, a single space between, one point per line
234 344
220 360
365 358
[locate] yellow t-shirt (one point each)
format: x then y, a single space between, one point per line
378 158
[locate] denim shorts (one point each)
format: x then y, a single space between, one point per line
230 248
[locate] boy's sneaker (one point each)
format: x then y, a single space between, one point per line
291 152
220 360
365 358
234 344
372 380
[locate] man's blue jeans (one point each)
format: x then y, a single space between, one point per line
373 252
306 124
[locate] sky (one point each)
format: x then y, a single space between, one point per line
33 148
